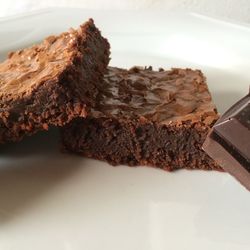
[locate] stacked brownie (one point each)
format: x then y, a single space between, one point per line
51 83
145 117
134 117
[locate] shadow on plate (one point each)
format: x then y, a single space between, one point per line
44 142
29 170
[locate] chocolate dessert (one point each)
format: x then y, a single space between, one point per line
52 82
146 117
228 142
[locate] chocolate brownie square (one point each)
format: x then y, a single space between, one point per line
146 117
52 82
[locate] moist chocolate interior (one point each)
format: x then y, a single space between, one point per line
51 83
145 117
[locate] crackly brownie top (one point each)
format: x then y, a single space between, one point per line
25 70
162 96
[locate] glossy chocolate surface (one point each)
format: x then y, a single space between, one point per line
159 96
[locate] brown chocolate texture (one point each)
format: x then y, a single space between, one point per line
52 82
228 142
146 117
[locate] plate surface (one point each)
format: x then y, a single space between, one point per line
53 201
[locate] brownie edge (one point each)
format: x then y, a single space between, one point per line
146 117
51 83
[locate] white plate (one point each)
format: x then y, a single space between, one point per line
53 201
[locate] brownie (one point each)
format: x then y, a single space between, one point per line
52 82
146 117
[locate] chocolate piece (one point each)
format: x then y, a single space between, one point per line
229 141
51 83
145 117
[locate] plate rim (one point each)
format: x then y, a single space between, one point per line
200 15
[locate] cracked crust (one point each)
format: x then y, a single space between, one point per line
145 117
52 82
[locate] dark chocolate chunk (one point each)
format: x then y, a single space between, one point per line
146 117
229 141
52 82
